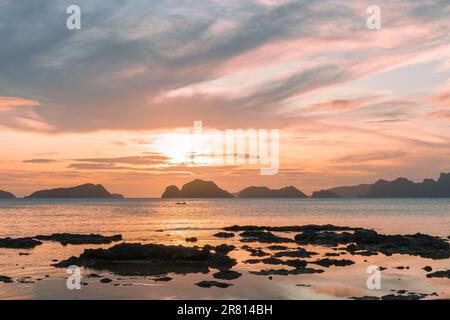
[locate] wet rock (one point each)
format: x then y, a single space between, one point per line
150 259
263 237
298 253
277 248
439 274
324 238
333 262
162 279
93 275
224 248
77 239
427 268
273 261
365 298
6 279
25 280
310 227
227 275
209 284
224 235
363 236
403 297
257 252
252 261
332 254
285 272
105 280
192 239
19 243
295 263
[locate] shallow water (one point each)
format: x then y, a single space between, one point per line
162 221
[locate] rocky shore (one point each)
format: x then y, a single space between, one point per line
269 251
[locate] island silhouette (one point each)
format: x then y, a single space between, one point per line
399 188
87 190
264 192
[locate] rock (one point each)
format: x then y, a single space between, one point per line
305 228
77 239
365 298
6 195
427 268
277 248
364 236
6 279
197 189
285 272
224 235
224 248
263 237
93 275
192 239
209 284
332 254
324 238
295 263
88 190
439 274
19 243
162 279
227 275
333 262
264 192
257 252
105 280
137 259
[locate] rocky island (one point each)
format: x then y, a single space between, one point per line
84 191
264 192
6 195
196 189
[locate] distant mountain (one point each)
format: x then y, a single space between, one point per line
352 191
404 188
325 194
196 189
264 192
6 195
84 191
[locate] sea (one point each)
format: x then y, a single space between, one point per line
166 222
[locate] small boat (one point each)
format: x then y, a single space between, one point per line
180 202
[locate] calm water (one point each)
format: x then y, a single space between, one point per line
162 221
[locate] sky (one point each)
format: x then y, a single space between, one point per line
101 104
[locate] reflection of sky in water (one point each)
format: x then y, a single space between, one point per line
142 221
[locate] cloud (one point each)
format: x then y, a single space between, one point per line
369 157
122 69
39 161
